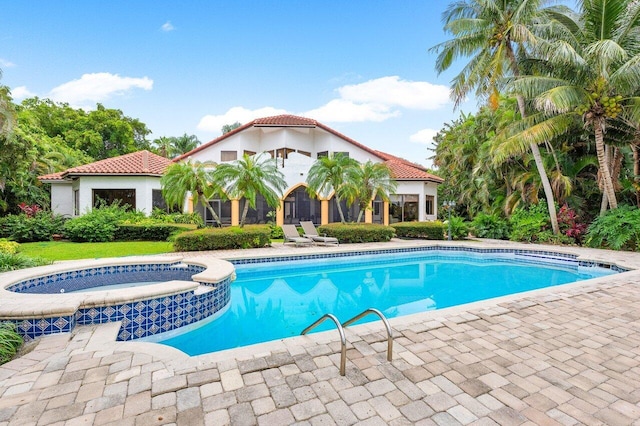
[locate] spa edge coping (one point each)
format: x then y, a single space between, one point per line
17 306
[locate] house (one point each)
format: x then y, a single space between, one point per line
296 143
132 178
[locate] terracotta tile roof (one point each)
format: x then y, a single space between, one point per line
52 176
137 163
285 120
401 168
406 170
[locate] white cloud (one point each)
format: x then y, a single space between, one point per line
96 87
21 92
6 64
214 123
424 136
345 111
392 91
166 27
372 101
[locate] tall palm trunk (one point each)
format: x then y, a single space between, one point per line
604 166
340 210
245 210
544 178
636 167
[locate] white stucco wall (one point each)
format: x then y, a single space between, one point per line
143 185
62 198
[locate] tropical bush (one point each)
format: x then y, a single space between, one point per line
100 224
11 262
618 229
150 230
185 218
357 232
427 230
569 224
234 237
38 226
8 247
530 224
490 226
459 228
10 341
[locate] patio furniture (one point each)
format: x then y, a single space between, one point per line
310 231
291 236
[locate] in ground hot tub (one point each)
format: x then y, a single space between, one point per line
42 300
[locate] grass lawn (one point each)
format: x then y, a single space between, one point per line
66 250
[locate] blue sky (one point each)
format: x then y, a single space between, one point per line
360 67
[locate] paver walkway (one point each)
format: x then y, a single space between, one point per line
566 356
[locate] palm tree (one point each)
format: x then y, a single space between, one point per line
366 182
330 173
195 178
250 176
493 33
183 144
594 75
164 146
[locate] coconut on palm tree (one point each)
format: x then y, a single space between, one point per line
195 178
592 78
493 33
250 176
330 174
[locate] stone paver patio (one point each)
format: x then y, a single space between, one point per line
566 355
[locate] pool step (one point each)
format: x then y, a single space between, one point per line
343 339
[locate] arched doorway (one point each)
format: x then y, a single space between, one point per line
298 205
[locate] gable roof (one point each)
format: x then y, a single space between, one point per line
400 168
140 163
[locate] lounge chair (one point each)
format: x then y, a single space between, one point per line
291 236
310 231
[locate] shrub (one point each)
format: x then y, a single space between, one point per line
11 262
250 236
185 218
490 226
428 230
569 224
459 228
357 232
149 231
276 231
10 341
618 229
8 247
529 224
100 224
39 226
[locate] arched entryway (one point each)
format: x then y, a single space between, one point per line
298 205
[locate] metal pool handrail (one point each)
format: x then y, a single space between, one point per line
343 339
386 324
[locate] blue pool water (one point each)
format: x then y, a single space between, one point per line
276 300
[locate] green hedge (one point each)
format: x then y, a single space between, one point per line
427 230
250 236
357 232
150 231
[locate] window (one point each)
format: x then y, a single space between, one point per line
228 155
158 202
76 202
343 153
403 208
126 197
249 153
323 154
429 204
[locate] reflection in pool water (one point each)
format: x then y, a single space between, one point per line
277 300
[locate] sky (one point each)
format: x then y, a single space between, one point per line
361 67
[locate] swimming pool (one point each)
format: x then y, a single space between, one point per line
277 300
